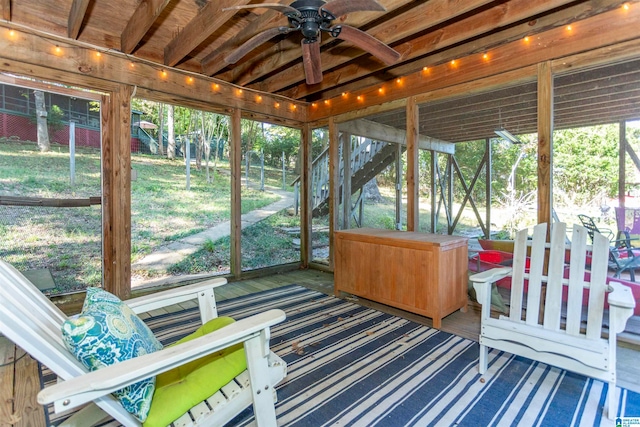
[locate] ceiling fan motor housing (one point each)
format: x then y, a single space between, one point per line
309 21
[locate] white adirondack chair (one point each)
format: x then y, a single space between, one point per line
32 322
537 331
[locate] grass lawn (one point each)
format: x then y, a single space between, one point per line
67 241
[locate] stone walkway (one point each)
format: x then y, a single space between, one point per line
167 255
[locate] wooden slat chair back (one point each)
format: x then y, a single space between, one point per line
32 322
535 328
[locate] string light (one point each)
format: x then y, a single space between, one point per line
314 104
625 6
293 107
360 98
132 65
526 39
277 104
57 50
569 28
164 74
381 91
344 94
216 86
326 102
485 56
259 98
425 69
189 80
98 54
12 33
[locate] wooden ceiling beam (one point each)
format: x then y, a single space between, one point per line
418 19
210 18
593 34
286 52
77 64
381 132
467 29
141 21
76 16
5 5
214 61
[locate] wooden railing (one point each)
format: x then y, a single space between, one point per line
362 154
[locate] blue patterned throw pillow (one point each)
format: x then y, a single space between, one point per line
107 331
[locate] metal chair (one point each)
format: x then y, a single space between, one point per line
622 255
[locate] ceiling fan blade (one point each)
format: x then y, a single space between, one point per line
342 7
366 42
311 62
282 8
254 42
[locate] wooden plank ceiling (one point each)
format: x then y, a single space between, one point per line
599 95
197 35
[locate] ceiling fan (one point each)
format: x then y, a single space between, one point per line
311 17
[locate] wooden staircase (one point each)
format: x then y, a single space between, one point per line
368 159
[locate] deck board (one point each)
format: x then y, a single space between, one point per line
7 356
25 392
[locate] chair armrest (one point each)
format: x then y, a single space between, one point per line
491 276
201 291
481 282
607 232
621 305
621 296
90 386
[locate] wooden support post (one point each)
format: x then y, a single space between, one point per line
545 142
346 180
235 160
434 190
306 211
413 202
116 191
334 185
398 187
488 189
622 184
449 206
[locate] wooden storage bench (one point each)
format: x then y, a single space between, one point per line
418 272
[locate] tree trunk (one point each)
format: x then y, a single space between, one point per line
160 129
199 145
41 120
207 146
171 135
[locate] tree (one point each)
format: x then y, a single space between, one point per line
160 129
280 140
171 135
585 163
41 122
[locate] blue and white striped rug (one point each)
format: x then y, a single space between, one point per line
351 365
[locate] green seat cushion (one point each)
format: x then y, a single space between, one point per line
181 388
107 331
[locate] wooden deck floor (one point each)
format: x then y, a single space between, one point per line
20 383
